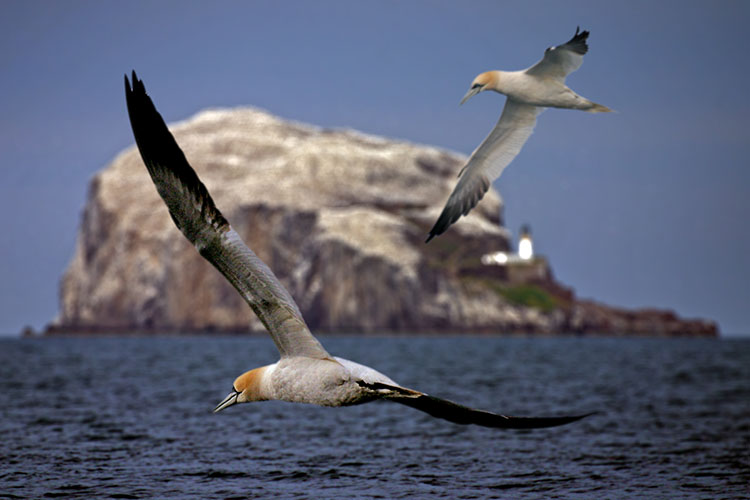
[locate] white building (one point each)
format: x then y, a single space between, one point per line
525 247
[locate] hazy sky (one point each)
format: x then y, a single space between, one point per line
646 207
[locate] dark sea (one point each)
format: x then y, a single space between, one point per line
132 418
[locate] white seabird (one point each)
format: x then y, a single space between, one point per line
528 92
306 373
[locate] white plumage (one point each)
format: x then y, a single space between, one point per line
529 91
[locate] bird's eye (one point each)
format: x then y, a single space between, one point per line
476 85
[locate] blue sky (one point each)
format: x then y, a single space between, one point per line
646 207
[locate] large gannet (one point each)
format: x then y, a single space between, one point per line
528 92
306 373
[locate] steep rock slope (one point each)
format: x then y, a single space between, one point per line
338 215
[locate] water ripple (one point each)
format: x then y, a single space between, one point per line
131 418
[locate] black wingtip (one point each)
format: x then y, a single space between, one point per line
133 85
464 415
443 223
578 42
447 218
575 418
542 422
133 78
580 36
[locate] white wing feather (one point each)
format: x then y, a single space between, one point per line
488 161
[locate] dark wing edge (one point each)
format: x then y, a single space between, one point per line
193 211
463 415
578 43
185 195
458 205
459 414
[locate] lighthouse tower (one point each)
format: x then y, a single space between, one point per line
525 247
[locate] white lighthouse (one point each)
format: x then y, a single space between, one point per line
523 258
525 247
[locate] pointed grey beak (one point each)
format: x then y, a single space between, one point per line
471 93
228 401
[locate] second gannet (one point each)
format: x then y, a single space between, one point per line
306 373
528 92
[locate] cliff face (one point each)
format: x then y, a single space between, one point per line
339 216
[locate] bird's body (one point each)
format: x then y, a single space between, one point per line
528 93
325 382
538 90
306 372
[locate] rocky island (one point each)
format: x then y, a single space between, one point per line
341 218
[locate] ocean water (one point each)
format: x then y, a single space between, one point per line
132 418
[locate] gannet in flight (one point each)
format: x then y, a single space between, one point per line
528 93
306 373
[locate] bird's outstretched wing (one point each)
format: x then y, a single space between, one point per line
460 414
487 162
196 215
560 61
